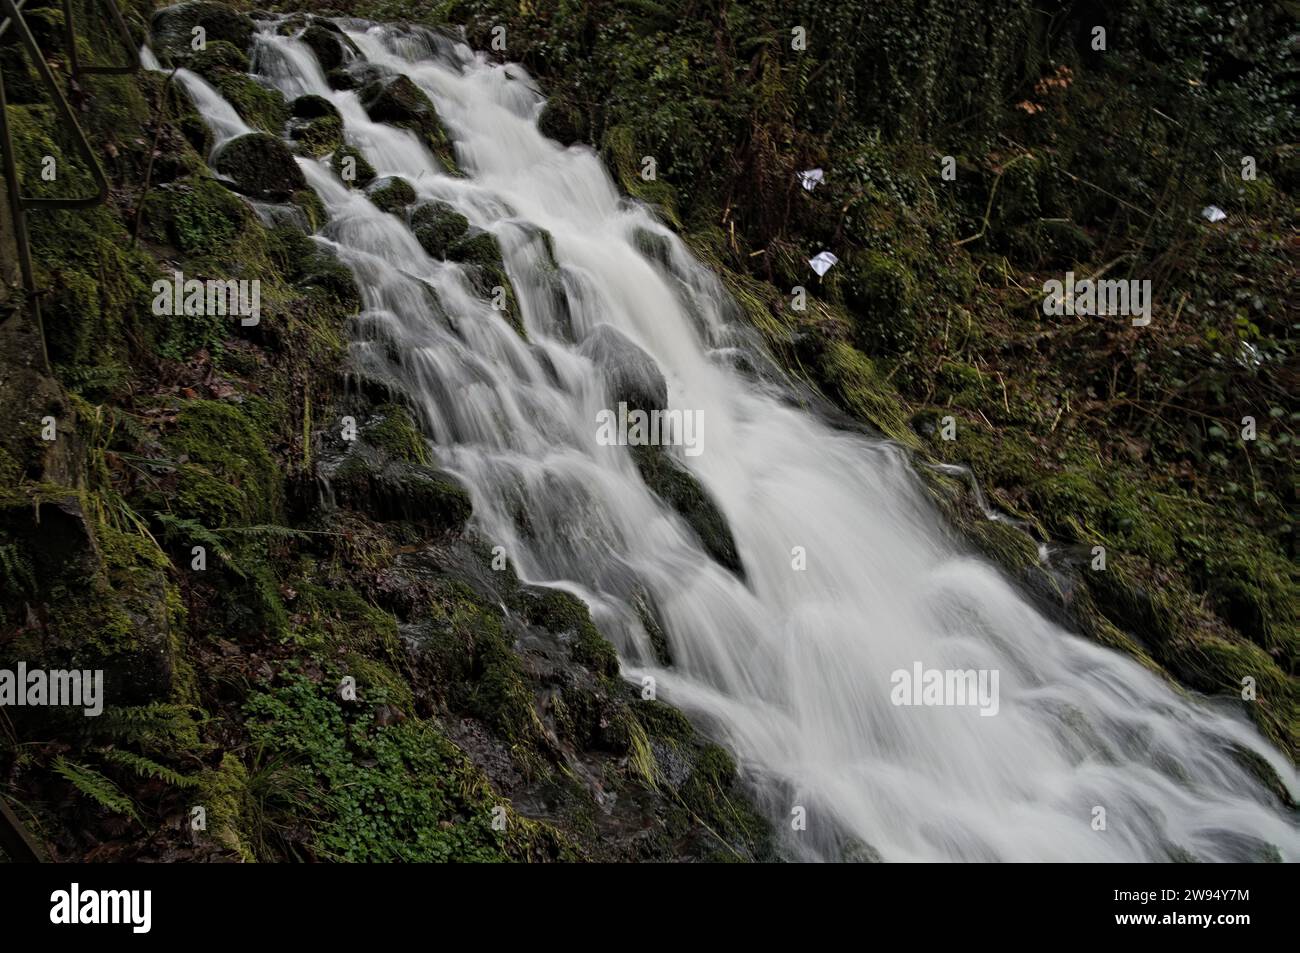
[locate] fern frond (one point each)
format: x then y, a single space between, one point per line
96 787
158 726
147 767
178 529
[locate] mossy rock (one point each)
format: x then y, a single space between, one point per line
391 194
358 75
260 166
311 267
437 226
565 614
315 125
199 216
477 665
480 252
677 487
562 121
216 57
172 28
397 436
358 173
332 48
260 106
387 490
630 373
313 209
226 476
397 100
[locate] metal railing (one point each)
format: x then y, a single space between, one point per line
12 11
15 841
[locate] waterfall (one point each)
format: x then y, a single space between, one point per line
790 667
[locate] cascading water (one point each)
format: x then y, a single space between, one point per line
791 669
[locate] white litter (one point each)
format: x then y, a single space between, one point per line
822 262
1213 213
812 178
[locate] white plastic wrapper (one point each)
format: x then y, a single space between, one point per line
1213 213
811 178
822 262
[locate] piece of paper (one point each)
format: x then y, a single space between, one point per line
822 262
1214 213
811 178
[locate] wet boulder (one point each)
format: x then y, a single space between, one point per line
315 125
352 167
679 488
357 75
173 28
437 226
631 374
260 166
391 194
399 101
480 252
563 122
219 56
374 481
331 46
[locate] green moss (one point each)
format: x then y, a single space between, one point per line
880 294
229 477
620 147
316 125
852 379
481 253
437 226
708 795
396 434
680 490
479 667
259 106
224 795
362 172
218 56
399 101
391 194
564 613
259 165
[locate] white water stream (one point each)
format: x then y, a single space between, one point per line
789 669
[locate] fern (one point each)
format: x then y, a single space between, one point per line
269 530
190 531
147 768
96 787
158 726
16 575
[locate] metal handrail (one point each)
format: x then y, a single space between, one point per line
19 203
16 842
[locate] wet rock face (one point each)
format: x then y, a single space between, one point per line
315 125
437 226
677 487
384 474
357 75
173 28
260 166
331 47
391 194
631 373
562 122
399 101
352 167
